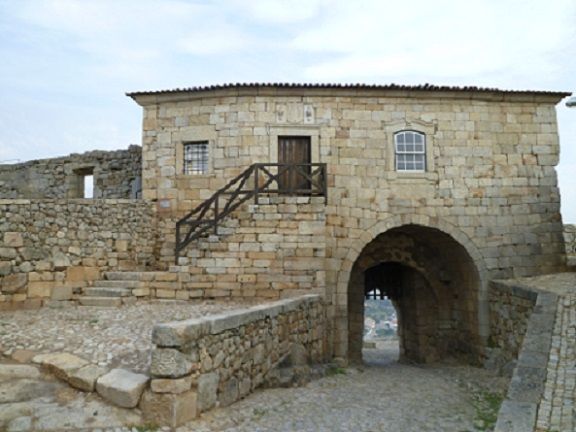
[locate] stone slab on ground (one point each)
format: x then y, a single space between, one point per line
169 409
60 364
101 301
85 378
9 371
23 356
516 417
121 387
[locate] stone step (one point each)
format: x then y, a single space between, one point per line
98 291
117 284
101 301
123 276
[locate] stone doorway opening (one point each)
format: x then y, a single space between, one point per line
434 286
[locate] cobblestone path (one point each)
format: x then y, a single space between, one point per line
383 396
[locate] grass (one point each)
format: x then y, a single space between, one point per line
146 427
487 405
335 370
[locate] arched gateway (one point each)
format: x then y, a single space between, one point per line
435 277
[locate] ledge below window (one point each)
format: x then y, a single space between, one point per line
412 177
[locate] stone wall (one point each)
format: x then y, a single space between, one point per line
202 363
52 248
117 174
271 250
570 241
510 310
536 338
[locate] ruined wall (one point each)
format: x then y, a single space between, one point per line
570 239
52 248
117 174
200 363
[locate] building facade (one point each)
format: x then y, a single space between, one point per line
428 191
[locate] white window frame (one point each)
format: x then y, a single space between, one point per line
402 152
195 163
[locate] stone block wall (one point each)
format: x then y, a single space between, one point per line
117 174
51 248
203 363
510 310
570 239
534 389
274 249
491 159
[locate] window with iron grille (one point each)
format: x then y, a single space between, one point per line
196 158
410 151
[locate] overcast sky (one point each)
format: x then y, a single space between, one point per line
66 64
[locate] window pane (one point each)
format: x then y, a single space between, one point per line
196 158
410 149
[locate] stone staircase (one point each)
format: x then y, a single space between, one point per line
114 290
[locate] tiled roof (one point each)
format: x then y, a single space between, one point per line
398 87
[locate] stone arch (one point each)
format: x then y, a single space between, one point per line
355 248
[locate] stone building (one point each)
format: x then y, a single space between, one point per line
431 191
425 192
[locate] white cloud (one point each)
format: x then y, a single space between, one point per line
279 11
444 38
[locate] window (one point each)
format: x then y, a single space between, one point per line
196 158
82 183
410 151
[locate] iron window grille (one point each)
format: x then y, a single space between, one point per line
410 151
196 158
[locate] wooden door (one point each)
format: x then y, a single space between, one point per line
294 150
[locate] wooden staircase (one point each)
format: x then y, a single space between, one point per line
304 179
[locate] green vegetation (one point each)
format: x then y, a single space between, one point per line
335 370
487 405
146 427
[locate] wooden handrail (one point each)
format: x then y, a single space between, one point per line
311 179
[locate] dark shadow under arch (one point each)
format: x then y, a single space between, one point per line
434 285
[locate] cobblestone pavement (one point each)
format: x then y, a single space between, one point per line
111 337
383 396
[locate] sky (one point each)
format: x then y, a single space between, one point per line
65 65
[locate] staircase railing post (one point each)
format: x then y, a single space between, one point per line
216 215
256 191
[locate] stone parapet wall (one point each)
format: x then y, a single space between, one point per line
510 310
542 392
214 361
557 406
117 174
52 248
